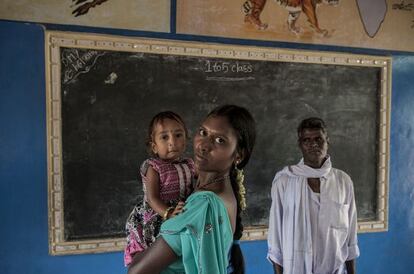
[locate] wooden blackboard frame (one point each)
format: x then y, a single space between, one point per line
55 40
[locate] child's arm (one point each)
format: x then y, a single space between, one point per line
153 192
153 195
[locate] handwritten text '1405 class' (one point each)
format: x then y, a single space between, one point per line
228 67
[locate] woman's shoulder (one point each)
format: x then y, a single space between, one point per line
205 198
204 194
195 210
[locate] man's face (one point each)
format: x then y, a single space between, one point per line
314 146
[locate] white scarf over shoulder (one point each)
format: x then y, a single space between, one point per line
294 235
305 171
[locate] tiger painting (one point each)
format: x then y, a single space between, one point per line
253 8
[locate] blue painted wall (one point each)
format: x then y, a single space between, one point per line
23 168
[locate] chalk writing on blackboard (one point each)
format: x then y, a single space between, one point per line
75 63
225 67
227 71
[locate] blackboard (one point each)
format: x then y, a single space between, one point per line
108 98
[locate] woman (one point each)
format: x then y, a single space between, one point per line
200 239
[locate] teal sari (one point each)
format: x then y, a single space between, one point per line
201 236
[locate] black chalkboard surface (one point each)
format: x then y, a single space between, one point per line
109 97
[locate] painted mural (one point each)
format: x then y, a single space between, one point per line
82 7
121 14
383 24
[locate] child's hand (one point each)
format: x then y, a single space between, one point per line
178 209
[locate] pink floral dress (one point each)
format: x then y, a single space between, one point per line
143 224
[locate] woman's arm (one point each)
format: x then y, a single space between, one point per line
154 259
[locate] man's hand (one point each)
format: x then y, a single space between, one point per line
350 267
277 268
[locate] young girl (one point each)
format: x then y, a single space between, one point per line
167 182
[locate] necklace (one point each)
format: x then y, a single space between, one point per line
214 181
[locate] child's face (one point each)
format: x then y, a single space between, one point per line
169 139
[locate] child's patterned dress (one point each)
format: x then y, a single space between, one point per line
143 224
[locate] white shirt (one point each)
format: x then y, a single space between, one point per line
293 241
314 207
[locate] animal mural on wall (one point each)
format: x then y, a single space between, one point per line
82 8
402 6
253 8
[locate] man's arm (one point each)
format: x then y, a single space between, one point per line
274 238
353 250
277 268
350 266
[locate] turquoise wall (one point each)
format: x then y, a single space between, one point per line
23 167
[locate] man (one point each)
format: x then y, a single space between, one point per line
313 221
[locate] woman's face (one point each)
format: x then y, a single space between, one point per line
215 145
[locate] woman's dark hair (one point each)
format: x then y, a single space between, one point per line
159 118
244 125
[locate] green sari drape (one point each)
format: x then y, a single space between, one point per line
201 236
